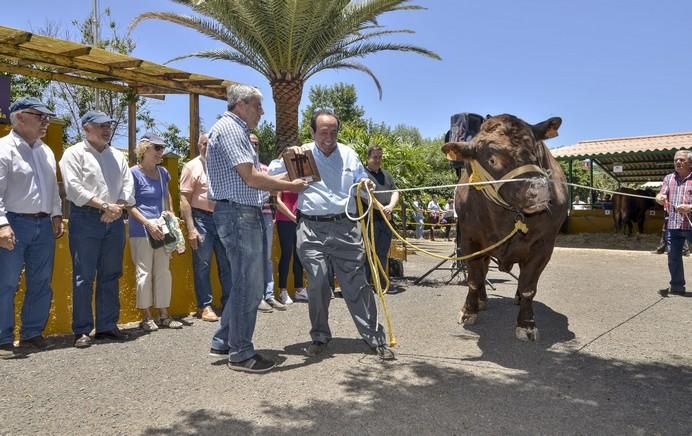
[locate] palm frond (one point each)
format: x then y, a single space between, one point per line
346 65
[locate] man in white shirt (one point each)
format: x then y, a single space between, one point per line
99 185
30 220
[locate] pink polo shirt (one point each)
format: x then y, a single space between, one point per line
193 180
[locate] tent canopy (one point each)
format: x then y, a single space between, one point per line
641 159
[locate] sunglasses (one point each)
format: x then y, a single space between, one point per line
42 117
158 147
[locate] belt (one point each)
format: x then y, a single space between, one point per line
322 218
223 200
206 212
38 215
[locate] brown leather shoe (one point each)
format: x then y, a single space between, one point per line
208 314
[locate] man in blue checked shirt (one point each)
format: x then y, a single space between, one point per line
676 197
326 237
237 186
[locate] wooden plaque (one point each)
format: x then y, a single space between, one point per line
301 165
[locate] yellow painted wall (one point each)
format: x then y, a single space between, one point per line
182 300
596 221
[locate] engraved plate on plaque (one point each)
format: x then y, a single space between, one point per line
301 165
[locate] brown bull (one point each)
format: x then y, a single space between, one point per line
628 210
507 147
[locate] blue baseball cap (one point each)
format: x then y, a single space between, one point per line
31 103
95 117
153 138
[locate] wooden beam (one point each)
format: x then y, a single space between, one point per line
47 75
206 82
123 74
19 38
132 63
177 75
131 130
156 90
155 96
75 52
194 125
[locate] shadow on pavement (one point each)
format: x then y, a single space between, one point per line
523 388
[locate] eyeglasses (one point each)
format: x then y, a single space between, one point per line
42 117
158 147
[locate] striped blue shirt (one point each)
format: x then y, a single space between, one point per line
338 172
229 146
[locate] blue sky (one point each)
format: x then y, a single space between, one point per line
608 68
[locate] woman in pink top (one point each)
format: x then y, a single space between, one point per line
286 224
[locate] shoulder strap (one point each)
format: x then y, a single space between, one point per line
163 191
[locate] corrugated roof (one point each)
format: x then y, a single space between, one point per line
641 158
633 144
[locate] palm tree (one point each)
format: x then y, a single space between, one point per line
288 41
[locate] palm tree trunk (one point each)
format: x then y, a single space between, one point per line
287 95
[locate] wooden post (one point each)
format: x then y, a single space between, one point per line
194 125
131 130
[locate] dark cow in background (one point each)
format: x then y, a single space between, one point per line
507 147
629 210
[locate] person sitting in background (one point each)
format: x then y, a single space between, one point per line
578 204
152 265
197 211
434 210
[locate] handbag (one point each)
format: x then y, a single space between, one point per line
168 234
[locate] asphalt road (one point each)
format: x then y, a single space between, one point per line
613 358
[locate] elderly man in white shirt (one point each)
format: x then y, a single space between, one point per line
99 184
30 220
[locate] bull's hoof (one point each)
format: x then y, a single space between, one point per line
467 318
517 300
526 334
482 304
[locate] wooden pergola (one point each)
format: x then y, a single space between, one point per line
65 61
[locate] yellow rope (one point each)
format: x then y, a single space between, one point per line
376 267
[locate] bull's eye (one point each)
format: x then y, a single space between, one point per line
492 161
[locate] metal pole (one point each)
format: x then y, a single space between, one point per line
95 43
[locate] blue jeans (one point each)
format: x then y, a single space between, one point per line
209 243
34 250
419 224
97 254
241 230
676 239
268 265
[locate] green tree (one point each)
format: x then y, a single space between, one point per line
72 101
339 98
289 41
267 142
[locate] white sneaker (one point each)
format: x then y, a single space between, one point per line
301 295
264 307
284 298
275 304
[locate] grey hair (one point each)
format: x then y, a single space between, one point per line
689 156
202 135
13 118
238 92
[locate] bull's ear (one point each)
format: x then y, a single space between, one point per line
547 129
459 151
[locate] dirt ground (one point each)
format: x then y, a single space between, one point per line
613 358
